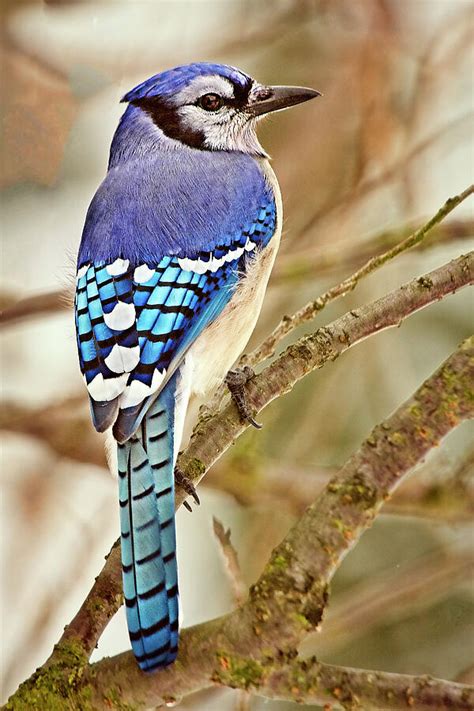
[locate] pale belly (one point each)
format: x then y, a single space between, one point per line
219 346
221 343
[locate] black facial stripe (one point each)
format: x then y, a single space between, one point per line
165 116
241 95
240 98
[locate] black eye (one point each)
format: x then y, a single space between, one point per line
210 102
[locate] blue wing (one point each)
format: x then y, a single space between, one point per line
135 322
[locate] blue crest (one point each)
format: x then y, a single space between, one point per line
172 80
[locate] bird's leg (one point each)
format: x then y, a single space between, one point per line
186 484
236 381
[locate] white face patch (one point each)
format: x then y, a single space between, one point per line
225 130
181 119
212 84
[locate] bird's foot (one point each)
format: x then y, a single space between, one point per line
236 381
186 484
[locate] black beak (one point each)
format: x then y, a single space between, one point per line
263 99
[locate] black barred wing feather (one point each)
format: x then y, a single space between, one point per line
134 323
173 307
106 335
131 327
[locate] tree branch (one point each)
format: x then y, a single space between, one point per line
418 584
313 683
214 434
433 493
308 312
254 647
50 302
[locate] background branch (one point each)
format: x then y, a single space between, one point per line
231 560
411 586
335 257
439 490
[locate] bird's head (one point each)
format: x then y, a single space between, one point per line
212 106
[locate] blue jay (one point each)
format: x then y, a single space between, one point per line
176 252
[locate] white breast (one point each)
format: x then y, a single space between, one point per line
221 343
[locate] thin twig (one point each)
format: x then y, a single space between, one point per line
234 572
343 255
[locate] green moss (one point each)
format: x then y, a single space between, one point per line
195 469
279 561
416 411
397 439
238 672
114 700
52 687
353 491
70 652
275 576
94 605
302 621
59 685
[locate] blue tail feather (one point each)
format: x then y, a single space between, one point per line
146 491
159 425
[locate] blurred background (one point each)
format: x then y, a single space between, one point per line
387 144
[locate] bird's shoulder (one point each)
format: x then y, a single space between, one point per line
174 204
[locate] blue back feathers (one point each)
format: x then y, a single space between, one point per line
173 204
